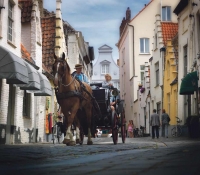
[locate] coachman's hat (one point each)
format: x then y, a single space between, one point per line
77 66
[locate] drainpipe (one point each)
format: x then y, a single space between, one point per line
161 9
163 50
133 49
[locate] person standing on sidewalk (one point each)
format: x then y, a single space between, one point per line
165 122
155 123
130 129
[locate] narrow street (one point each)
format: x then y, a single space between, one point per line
137 156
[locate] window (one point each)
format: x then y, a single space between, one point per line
157 73
123 56
159 108
0 90
144 45
142 67
185 24
185 60
10 21
166 13
156 41
26 105
105 69
175 100
168 69
198 28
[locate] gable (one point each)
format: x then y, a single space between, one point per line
105 62
105 47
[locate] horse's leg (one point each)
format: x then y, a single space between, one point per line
69 136
89 117
77 135
77 124
69 139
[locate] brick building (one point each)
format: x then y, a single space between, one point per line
23 86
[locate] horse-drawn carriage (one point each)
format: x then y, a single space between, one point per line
86 107
106 118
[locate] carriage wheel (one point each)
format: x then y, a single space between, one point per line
114 128
123 126
81 136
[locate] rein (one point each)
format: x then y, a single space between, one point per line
66 84
75 93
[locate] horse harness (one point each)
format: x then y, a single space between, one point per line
75 93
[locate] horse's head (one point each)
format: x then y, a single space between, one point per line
60 68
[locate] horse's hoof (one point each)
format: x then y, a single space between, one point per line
89 143
66 141
77 141
71 143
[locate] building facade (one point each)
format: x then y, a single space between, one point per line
22 101
135 49
188 77
105 65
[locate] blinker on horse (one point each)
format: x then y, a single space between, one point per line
71 96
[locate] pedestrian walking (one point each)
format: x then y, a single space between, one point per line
155 123
165 122
130 129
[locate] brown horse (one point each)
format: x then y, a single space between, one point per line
71 98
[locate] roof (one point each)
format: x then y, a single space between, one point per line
25 54
105 47
27 57
48 39
146 5
169 30
26 10
181 5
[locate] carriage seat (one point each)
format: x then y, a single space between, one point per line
101 94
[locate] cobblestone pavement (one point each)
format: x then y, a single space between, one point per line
137 156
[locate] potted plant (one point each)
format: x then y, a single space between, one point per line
142 89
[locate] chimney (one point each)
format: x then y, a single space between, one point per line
128 14
125 20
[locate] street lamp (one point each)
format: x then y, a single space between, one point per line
1 5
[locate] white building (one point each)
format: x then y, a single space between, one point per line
21 113
144 99
135 48
79 51
105 64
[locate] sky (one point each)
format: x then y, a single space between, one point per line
98 20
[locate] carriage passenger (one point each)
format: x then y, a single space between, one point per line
113 101
107 83
79 74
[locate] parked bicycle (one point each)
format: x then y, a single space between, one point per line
57 132
177 130
136 132
139 132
